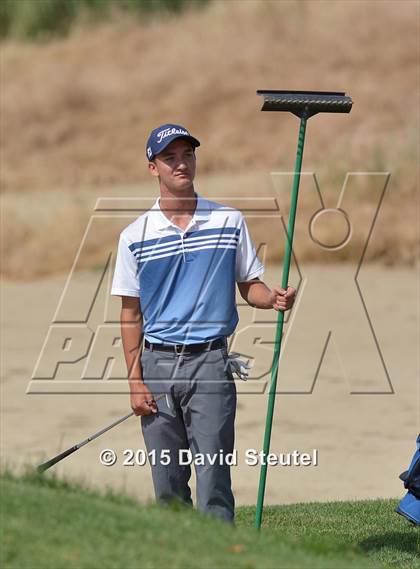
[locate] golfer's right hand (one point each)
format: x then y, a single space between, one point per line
142 401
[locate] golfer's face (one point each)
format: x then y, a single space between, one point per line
176 165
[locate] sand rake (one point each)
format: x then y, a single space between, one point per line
303 104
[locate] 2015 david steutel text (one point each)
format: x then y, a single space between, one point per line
250 457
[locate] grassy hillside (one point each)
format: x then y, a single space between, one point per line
44 19
76 113
47 523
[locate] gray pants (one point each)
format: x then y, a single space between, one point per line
203 395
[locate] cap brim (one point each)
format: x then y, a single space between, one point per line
191 139
194 142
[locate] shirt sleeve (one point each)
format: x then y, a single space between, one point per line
126 279
248 266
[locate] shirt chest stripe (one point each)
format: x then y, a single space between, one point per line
180 251
169 239
191 241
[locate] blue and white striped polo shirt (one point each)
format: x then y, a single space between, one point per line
185 280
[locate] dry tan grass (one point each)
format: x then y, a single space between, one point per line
76 112
42 231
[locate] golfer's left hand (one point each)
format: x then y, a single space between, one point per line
283 299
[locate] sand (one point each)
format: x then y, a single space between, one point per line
358 405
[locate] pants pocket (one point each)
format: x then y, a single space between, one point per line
228 371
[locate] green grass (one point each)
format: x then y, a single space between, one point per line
34 19
48 523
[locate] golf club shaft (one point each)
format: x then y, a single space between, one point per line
280 321
46 465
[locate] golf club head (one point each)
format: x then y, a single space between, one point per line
306 103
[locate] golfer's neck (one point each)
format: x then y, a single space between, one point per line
177 203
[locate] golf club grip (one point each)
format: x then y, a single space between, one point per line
46 465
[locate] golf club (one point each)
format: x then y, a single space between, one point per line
303 104
46 465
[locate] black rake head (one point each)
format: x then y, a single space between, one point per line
306 103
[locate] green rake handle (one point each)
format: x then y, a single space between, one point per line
280 321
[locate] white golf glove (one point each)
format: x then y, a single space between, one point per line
238 366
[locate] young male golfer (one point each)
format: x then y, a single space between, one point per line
176 269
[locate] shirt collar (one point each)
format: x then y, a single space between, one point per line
202 213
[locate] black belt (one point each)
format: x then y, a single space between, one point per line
186 348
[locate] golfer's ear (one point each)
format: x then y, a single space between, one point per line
153 170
